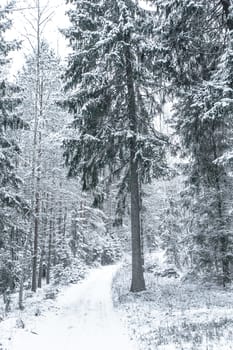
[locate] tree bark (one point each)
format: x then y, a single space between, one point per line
35 243
35 155
223 239
51 227
74 233
138 282
23 268
40 274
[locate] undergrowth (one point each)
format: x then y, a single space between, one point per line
172 314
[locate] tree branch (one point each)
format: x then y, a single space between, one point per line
226 8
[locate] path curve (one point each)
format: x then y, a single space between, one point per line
85 320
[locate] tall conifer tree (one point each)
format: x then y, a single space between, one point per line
112 97
11 203
200 77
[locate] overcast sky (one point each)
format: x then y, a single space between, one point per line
24 12
21 30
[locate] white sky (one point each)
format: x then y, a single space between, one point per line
24 11
22 30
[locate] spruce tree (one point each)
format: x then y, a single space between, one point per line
199 82
11 202
111 86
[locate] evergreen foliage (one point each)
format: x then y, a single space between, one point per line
10 119
125 64
110 79
12 206
199 74
98 99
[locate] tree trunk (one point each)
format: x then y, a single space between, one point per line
22 276
64 222
74 233
37 218
35 155
42 269
40 274
50 243
37 212
223 239
138 282
21 289
35 243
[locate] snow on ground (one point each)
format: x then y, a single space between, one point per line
169 315
83 319
35 304
172 315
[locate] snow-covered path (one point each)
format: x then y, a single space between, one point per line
85 320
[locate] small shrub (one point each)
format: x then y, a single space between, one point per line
20 323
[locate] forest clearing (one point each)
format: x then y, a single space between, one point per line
116 154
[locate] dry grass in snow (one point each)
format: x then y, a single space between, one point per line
175 315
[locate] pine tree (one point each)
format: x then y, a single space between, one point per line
111 83
46 129
199 84
59 232
12 206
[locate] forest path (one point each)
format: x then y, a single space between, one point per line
85 320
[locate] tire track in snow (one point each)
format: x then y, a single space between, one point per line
86 320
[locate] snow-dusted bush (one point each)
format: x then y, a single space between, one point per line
8 274
69 274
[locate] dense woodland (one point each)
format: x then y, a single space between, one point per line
124 148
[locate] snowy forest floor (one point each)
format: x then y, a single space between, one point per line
169 315
173 315
81 317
